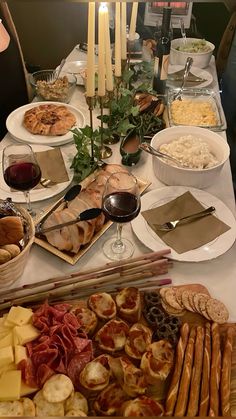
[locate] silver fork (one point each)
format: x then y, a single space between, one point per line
171 225
56 73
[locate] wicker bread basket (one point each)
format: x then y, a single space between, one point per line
12 270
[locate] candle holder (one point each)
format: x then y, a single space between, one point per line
113 139
91 101
118 80
105 151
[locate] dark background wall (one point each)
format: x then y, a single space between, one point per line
48 30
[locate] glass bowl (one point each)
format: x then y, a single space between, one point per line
196 107
60 90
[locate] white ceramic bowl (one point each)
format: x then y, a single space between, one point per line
198 178
200 59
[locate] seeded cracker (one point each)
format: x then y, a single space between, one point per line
170 297
178 293
186 300
196 300
171 310
217 311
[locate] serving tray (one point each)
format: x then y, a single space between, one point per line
70 257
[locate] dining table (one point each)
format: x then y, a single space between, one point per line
218 274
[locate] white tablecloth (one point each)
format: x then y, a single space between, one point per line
218 275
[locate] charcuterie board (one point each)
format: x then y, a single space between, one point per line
154 390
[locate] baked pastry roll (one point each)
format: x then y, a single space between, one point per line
142 406
139 338
128 302
130 378
110 401
103 305
96 374
112 336
157 362
87 319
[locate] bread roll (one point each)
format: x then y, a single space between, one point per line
11 230
5 256
13 249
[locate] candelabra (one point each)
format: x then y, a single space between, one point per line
113 138
105 151
91 101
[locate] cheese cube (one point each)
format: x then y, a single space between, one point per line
15 338
20 353
8 367
6 355
19 315
6 341
25 389
10 385
26 333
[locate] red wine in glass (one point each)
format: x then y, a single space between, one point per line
121 207
21 170
120 203
22 176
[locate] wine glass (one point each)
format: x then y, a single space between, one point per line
21 170
120 203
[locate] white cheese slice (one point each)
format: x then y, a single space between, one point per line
20 353
19 315
26 333
10 384
6 341
6 355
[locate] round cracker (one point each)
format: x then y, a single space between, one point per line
171 300
196 299
44 408
171 310
163 291
28 406
76 401
57 388
202 306
217 311
178 294
186 300
14 408
74 412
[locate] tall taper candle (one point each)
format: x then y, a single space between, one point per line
117 42
91 46
133 20
109 75
123 31
101 50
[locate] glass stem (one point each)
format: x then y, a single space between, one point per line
27 198
118 245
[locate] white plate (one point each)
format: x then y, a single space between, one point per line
75 67
198 72
19 133
210 250
36 194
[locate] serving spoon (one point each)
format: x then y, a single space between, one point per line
188 65
149 149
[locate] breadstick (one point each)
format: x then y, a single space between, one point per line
196 374
205 387
226 373
182 399
179 360
215 371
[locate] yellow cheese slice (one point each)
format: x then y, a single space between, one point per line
6 341
6 355
8 367
19 315
10 385
20 353
26 333
25 389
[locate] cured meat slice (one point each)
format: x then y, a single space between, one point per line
96 374
112 336
139 338
128 302
157 362
110 401
103 305
143 406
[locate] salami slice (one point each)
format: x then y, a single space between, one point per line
76 365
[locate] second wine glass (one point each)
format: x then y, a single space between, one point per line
121 203
21 170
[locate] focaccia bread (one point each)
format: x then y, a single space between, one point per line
49 120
